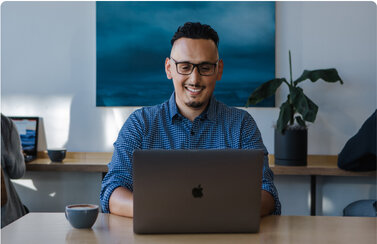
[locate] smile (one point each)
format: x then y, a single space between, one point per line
194 90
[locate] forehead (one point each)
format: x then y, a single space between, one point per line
194 50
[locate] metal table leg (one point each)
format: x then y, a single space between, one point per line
313 193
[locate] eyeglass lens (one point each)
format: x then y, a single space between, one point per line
204 69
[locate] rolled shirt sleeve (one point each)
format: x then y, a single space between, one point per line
120 168
252 139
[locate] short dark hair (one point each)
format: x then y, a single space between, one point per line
196 31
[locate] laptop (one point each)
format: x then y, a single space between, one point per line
28 129
197 191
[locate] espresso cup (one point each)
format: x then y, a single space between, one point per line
56 154
81 216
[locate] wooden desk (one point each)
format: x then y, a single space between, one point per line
54 228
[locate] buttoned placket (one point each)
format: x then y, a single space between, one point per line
194 136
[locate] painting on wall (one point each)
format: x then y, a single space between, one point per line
133 41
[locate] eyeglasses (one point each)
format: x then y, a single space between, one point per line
186 68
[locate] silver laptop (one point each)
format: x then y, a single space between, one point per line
197 191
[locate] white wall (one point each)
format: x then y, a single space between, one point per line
49 68
341 35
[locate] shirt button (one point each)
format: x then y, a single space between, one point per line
192 133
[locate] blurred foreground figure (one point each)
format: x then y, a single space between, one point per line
360 153
12 167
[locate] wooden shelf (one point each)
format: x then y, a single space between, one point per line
97 162
74 161
317 165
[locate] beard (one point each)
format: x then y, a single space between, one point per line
194 104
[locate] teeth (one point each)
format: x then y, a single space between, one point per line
193 90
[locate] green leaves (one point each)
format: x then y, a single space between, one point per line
297 102
306 107
328 75
264 91
300 121
286 112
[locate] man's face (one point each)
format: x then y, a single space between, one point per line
193 91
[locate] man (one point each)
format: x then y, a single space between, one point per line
191 119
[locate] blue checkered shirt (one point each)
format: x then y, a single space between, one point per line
163 127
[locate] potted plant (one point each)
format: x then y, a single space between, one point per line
291 128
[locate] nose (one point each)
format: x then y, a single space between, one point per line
195 77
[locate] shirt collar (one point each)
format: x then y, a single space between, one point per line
209 113
173 110
211 109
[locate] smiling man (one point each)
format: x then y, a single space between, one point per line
191 119
193 87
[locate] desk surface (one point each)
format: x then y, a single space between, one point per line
54 228
97 162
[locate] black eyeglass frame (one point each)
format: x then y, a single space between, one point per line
195 65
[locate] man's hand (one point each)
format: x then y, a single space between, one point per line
267 203
121 202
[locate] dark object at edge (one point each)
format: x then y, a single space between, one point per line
361 208
359 153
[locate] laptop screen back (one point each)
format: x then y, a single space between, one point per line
197 191
28 129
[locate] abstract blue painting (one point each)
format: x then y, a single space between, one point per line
133 40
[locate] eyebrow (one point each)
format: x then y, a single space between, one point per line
205 62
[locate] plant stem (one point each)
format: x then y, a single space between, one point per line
291 86
292 120
290 67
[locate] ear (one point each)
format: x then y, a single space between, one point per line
220 67
168 68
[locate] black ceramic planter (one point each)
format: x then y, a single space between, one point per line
291 148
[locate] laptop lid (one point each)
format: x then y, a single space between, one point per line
197 191
28 129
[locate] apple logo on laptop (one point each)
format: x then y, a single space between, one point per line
197 192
